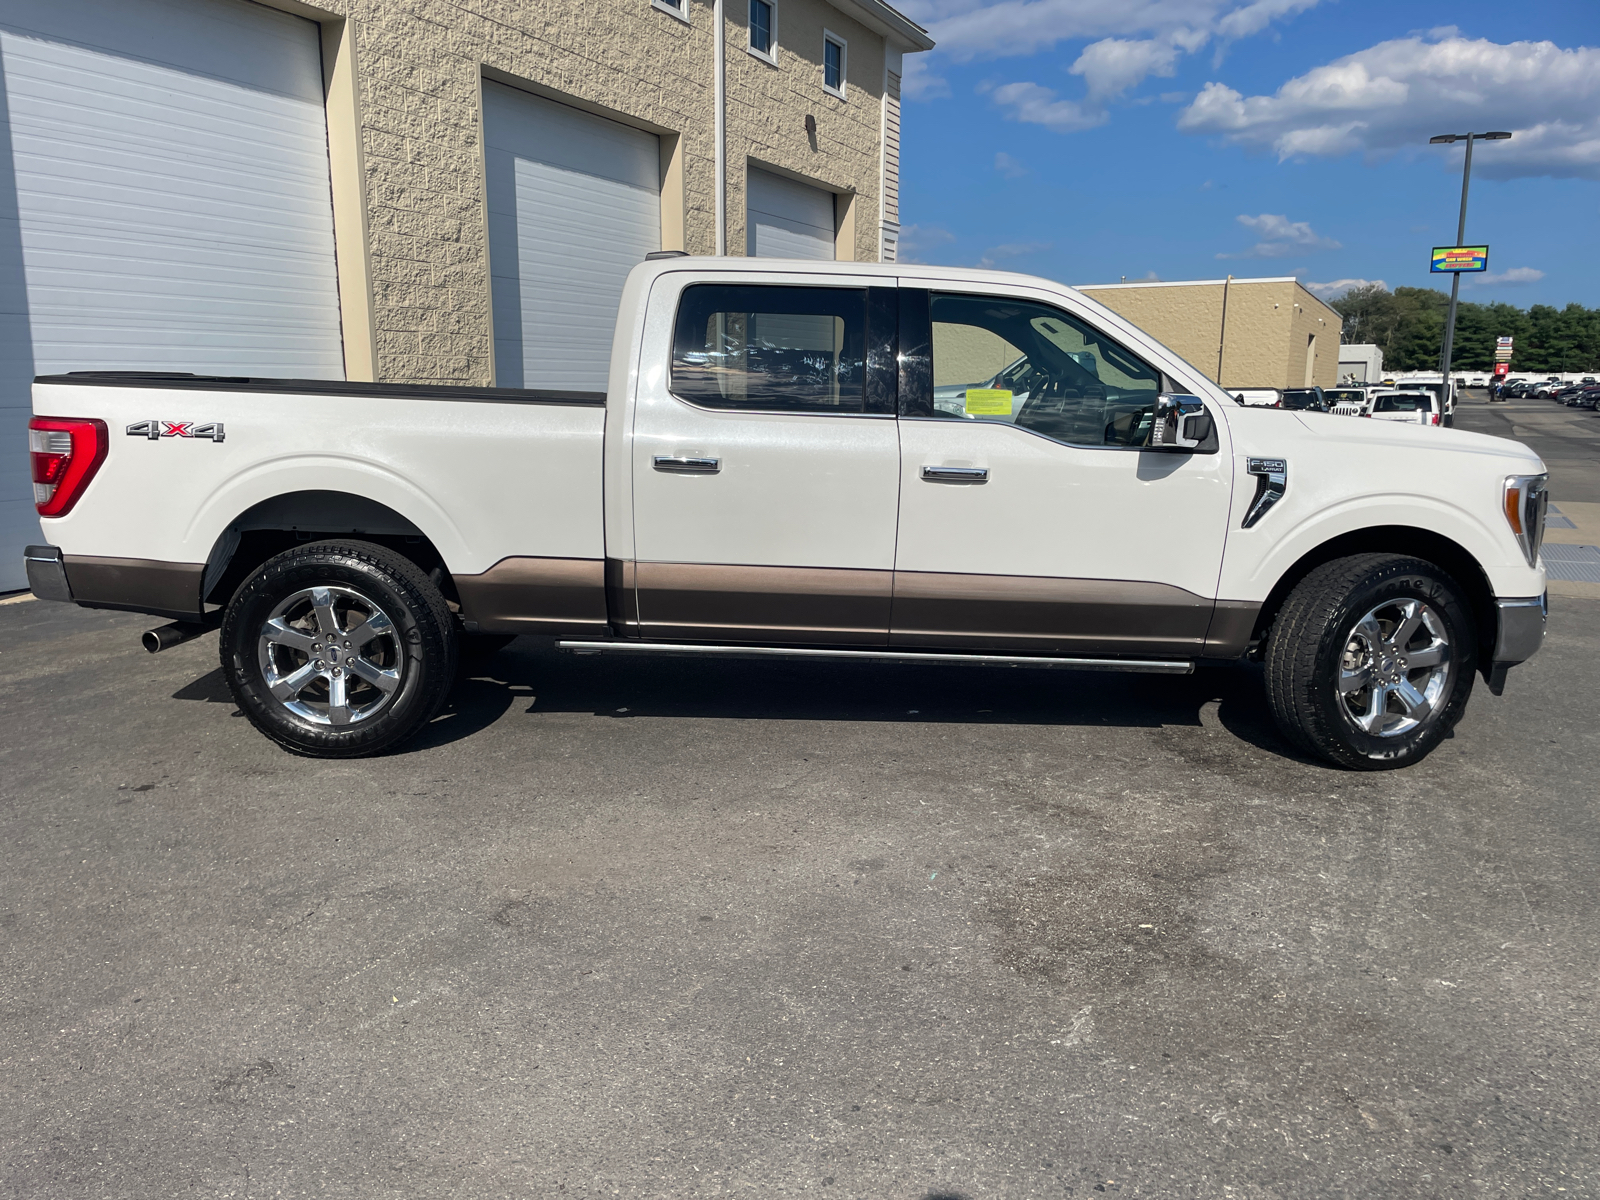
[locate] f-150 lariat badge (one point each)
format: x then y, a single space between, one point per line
155 430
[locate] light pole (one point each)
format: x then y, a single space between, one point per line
1461 234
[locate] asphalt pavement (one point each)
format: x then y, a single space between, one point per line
683 928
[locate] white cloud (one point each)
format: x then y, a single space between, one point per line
1113 65
1253 18
1010 250
1280 237
1008 166
1338 287
918 240
1035 104
1515 277
967 29
1397 94
920 82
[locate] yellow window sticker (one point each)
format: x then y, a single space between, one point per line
988 402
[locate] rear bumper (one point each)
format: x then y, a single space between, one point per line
1518 638
47 573
164 589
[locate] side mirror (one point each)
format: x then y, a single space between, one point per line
1181 423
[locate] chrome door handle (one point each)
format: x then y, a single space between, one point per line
955 474
683 465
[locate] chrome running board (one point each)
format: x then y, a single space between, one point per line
1147 665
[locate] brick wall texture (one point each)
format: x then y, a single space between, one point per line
420 65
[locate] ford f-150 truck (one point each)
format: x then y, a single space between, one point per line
827 460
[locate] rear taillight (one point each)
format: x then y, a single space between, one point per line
1435 418
66 452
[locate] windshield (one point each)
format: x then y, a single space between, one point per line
1411 403
1345 396
1301 399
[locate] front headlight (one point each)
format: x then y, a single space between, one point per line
1525 502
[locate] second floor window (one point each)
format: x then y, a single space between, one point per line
761 26
833 65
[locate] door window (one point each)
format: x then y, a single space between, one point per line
1033 366
771 348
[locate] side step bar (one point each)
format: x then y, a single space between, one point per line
1157 666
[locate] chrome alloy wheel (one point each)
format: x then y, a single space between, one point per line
1395 669
331 656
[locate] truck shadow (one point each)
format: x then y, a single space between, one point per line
542 680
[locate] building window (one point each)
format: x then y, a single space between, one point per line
678 8
834 55
763 30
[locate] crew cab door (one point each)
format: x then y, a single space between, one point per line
765 462
1030 518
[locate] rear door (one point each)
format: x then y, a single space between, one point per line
1029 516
766 462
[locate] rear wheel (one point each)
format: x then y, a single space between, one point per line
1370 662
338 649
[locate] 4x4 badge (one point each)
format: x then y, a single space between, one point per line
184 429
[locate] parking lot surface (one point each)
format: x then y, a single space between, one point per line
683 928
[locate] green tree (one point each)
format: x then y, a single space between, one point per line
1408 326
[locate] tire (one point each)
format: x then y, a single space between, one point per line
288 680
1334 632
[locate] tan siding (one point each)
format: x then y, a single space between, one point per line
1269 324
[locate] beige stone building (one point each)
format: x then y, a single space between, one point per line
435 191
1242 333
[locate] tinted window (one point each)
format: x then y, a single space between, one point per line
833 64
761 26
774 348
1033 366
1403 404
1301 399
1344 396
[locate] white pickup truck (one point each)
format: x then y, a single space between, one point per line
768 474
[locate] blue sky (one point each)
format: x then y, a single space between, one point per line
1087 140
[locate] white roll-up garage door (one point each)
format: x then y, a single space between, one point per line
164 203
786 219
574 205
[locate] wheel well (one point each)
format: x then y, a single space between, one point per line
276 525
1392 539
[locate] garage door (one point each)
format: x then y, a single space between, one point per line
164 203
574 205
787 219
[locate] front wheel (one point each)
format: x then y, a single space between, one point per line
1370 662
338 649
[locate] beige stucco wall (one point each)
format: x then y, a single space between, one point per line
405 86
768 105
1269 323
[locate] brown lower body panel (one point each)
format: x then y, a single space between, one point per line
1231 628
806 605
1048 616
536 595
163 589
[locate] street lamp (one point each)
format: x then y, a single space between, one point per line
1445 139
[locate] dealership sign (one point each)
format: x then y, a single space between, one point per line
1452 260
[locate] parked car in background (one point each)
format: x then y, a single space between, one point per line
1413 407
1478 381
1309 399
1347 402
1256 397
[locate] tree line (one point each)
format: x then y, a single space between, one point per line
1407 324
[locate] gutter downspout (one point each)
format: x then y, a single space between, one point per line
720 100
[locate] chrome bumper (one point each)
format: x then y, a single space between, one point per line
47 574
1518 638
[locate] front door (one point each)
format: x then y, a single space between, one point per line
1030 518
766 466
